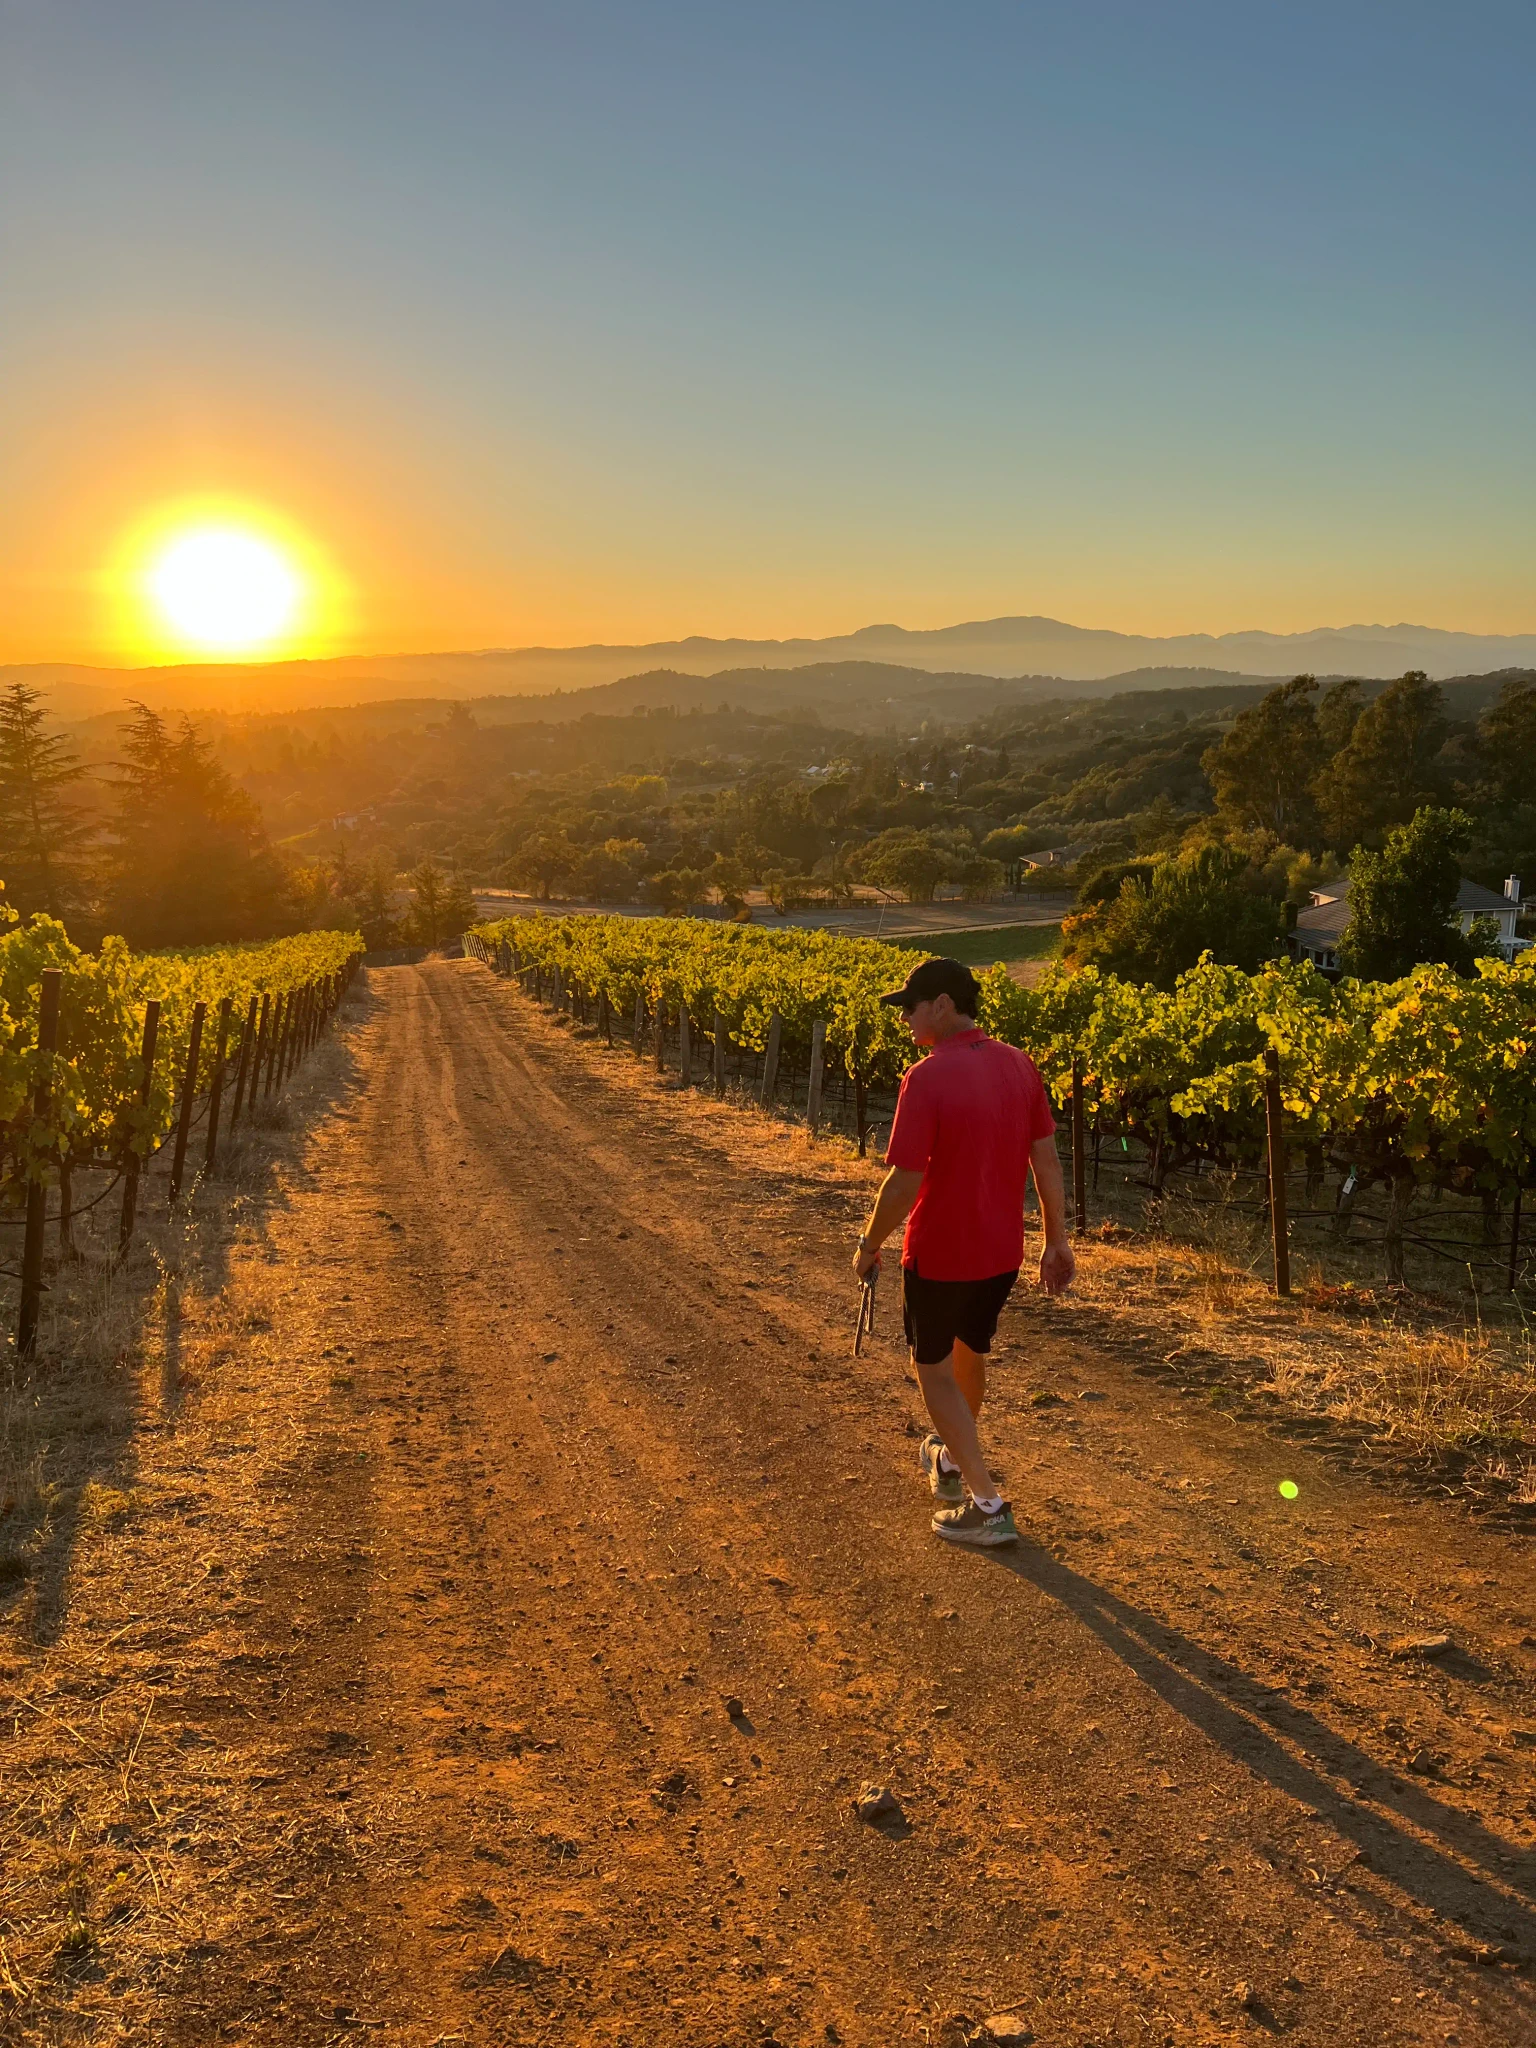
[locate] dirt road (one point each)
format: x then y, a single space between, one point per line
587 1579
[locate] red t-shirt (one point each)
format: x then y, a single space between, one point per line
965 1119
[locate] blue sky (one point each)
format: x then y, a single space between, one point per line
592 321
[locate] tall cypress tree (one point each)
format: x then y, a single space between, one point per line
41 829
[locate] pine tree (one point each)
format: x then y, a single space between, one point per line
429 890
1388 770
1507 735
41 829
1338 714
374 903
189 862
442 905
1262 770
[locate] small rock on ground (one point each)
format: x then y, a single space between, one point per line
1419 1646
1007 2029
878 1805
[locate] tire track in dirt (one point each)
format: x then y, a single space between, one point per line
600 1464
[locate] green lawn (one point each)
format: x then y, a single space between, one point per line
1006 942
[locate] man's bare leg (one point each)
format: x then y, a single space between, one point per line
950 1413
971 1375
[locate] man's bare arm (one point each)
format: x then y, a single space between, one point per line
1057 1265
898 1191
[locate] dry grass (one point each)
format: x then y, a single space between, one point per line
1446 1396
1416 1378
73 1413
102 1801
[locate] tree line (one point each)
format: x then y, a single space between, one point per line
1217 808
1306 784
169 851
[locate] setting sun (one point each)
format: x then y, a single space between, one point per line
223 579
225 589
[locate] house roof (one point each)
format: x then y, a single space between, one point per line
1471 896
1324 920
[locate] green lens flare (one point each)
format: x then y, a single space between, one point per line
1289 1489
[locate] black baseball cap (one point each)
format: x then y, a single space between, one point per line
937 978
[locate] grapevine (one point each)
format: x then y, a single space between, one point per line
1427 1081
94 1078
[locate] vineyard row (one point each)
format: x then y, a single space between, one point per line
107 1059
1428 1084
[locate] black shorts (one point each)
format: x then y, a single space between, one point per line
936 1312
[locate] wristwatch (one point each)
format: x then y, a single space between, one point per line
864 1243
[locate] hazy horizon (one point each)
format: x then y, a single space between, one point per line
1031 650
1217 637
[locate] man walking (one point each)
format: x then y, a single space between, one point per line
972 1122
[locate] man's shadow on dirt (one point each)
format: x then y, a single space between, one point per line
1192 1681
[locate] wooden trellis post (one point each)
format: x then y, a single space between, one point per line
1274 1113
133 1164
216 1092
37 1187
297 1041
818 1062
771 1060
719 1052
684 1047
274 1030
1514 1239
259 1056
1079 1159
247 1047
285 1038
639 1022
188 1090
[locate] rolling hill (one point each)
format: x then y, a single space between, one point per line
1038 652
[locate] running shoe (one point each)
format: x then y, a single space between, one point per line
970 1525
946 1485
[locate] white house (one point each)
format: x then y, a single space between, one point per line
1321 926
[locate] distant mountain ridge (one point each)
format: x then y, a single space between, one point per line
853 696
1034 650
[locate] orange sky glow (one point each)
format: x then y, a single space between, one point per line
749 323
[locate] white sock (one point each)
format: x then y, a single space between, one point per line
989 1503
946 1462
